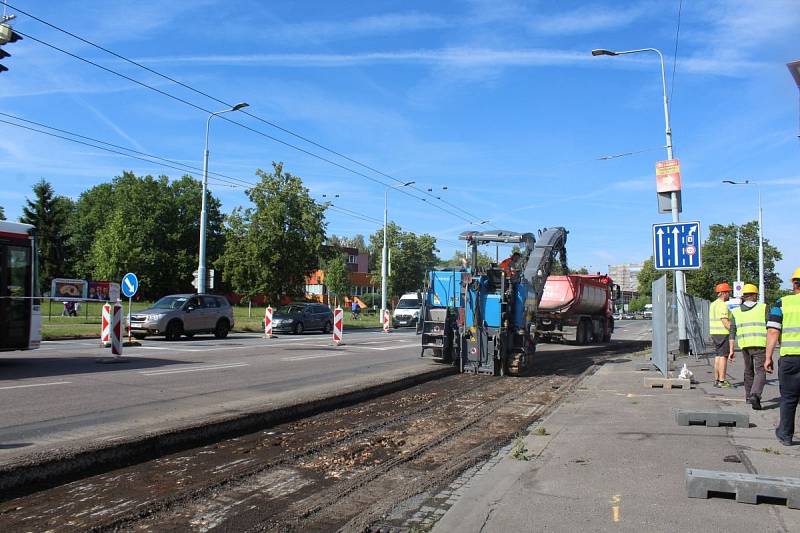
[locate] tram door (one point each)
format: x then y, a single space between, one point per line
15 292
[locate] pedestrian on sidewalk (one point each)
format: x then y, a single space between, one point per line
719 323
748 329
784 325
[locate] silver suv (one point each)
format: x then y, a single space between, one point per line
184 314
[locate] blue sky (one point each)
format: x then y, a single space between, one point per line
499 101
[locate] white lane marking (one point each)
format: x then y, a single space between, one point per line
36 385
385 348
221 366
304 357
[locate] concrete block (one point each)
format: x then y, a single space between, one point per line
712 418
667 383
645 367
746 487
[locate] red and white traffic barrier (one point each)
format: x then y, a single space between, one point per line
105 326
116 329
338 327
387 321
268 323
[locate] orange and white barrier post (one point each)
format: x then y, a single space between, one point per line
105 326
338 326
116 330
387 321
268 323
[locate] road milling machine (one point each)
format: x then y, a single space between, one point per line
483 320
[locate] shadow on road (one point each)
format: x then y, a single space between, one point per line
39 367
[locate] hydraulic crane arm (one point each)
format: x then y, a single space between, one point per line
539 263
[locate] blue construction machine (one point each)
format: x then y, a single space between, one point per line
483 320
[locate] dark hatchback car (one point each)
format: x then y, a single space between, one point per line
299 317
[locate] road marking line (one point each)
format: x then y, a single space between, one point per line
386 348
615 500
36 385
304 357
194 369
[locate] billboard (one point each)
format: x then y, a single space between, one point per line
68 289
668 175
107 291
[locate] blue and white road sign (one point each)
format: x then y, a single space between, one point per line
676 246
130 284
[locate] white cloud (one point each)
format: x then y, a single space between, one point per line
586 19
389 23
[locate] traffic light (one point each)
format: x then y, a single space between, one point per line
7 35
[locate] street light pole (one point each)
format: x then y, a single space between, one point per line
385 253
680 284
201 261
761 295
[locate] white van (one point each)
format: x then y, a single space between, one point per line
407 311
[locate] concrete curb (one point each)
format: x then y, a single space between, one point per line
22 479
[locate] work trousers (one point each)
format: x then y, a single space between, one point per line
789 379
755 377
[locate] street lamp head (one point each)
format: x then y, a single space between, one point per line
603 52
240 105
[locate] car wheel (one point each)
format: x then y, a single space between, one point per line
298 328
222 329
174 330
328 328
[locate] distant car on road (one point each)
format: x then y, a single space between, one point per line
301 316
407 311
184 314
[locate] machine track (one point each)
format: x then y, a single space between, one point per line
343 469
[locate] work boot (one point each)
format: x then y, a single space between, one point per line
755 402
786 441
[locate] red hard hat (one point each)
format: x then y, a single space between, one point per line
722 287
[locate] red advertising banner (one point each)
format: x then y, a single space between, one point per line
668 175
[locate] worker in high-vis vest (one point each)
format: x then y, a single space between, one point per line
784 325
719 325
748 329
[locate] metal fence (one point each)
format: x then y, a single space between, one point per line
665 324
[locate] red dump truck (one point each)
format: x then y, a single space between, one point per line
577 308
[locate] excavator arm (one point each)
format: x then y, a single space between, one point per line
539 264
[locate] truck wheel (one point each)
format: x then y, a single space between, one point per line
607 332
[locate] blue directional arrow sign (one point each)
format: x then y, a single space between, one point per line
130 284
676 246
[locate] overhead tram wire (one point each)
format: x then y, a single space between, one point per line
218 100
675 53
164 159
117 152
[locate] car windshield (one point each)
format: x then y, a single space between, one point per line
170 302
408 303
290 309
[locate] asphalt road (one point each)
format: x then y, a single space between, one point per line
60 397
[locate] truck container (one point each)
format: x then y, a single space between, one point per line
576 308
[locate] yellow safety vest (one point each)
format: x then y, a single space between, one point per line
719 310
751 326
790 325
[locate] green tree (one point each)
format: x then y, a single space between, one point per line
411 256
648 275
49 213
356 241
457 261
2 213
637 304
145 225
719 261
272 247
337 277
